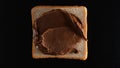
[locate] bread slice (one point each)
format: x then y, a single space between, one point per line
81 13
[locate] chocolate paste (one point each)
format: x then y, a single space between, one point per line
56 32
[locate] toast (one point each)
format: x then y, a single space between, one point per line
81 13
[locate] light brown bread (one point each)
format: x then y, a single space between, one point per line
81 13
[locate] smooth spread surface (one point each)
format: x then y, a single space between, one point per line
59 40
57 32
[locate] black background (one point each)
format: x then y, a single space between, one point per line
103 34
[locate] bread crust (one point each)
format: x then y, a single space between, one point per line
67 56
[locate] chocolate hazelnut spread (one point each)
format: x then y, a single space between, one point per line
57 32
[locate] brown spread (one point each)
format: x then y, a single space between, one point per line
56 32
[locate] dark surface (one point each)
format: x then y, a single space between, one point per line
103 34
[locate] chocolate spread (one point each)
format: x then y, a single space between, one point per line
56 32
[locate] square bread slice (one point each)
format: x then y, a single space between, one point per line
81 13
